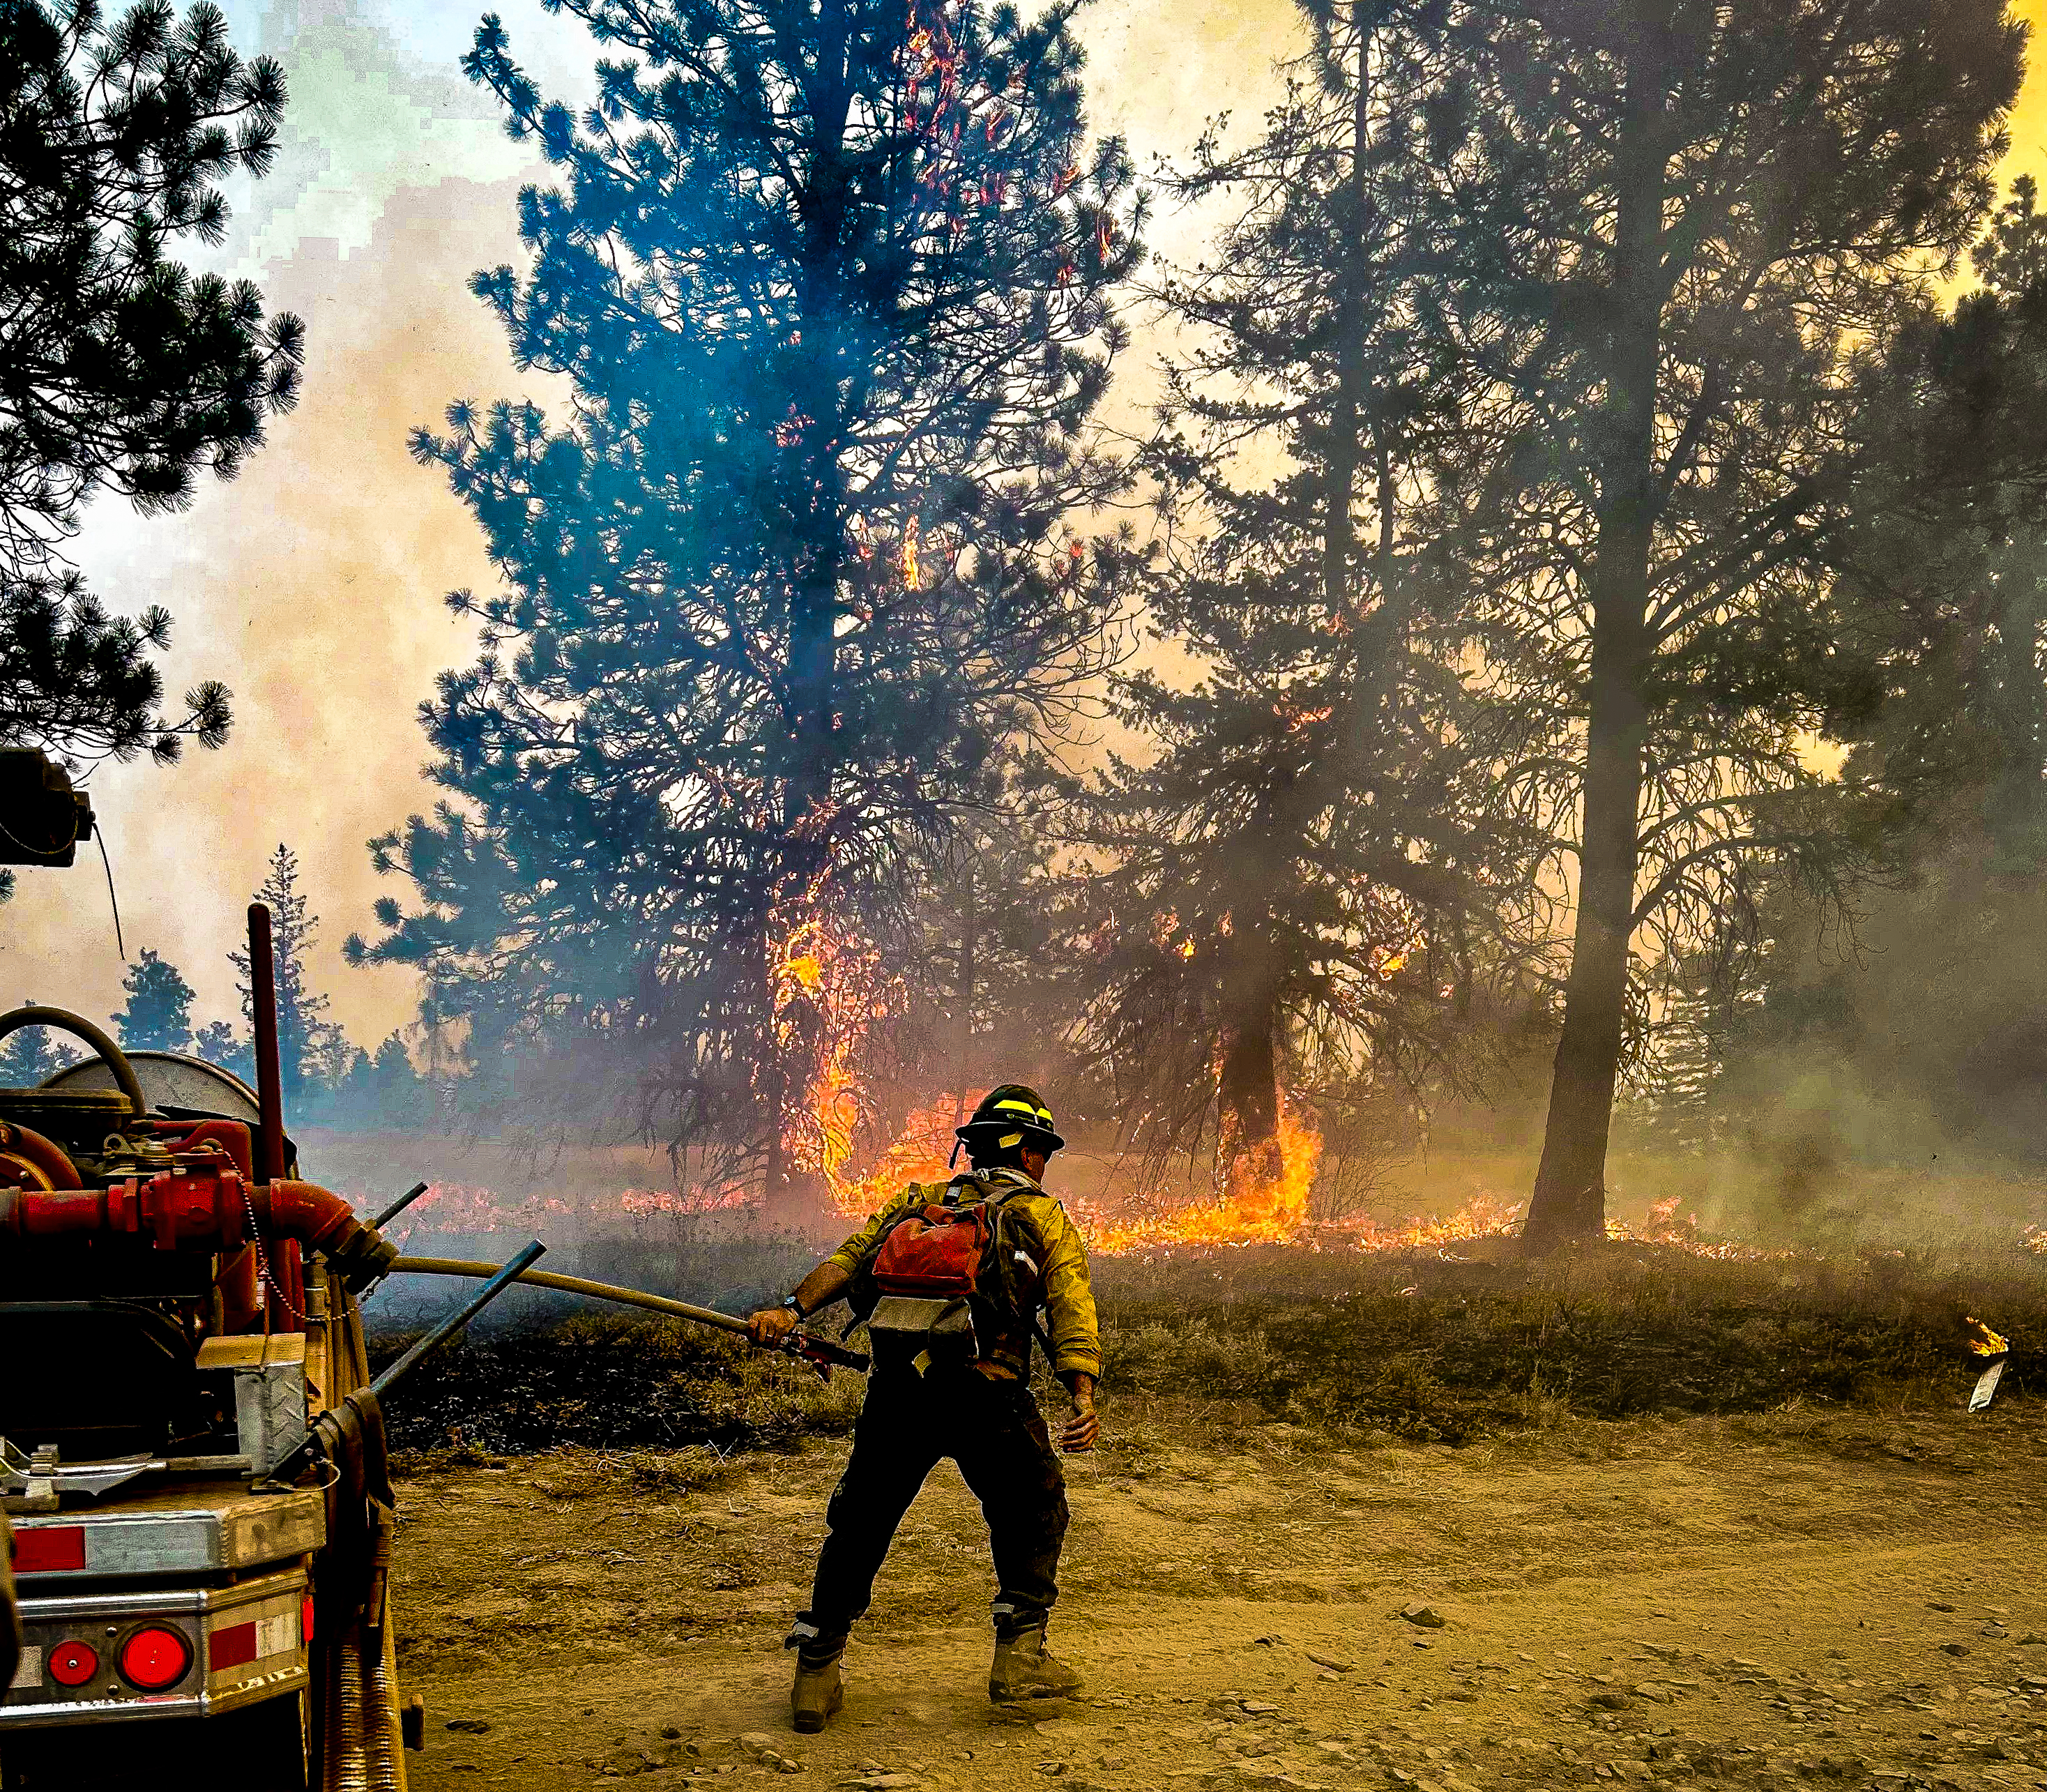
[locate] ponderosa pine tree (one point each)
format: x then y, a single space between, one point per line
1944 571
831 283
1291 879
120 371
30 1054
1676 225
218 1043
308 1043
158 1014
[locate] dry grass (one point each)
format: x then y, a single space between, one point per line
1369 1349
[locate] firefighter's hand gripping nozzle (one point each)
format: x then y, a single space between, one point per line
821 1353
782 1328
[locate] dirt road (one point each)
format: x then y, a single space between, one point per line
1851 1598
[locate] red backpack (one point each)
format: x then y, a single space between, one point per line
932 1269
936 1252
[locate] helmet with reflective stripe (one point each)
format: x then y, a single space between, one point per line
1014 1114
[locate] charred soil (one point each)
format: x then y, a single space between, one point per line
1427 1348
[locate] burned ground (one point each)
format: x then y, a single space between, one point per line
1424 1349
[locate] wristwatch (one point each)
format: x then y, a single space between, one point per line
793 1304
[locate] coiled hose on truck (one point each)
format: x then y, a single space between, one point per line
360 1748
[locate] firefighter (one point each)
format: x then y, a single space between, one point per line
973 1404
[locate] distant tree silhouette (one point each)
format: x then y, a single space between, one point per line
380 1093
308 1042
29 1055
218 1043
158 1016
120 371
831 282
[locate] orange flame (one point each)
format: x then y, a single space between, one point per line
1387 962
462 1207
1664 1229
1987 1342
1264 1198
829 991
921 1154
1484 1216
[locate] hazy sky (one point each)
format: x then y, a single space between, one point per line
313 583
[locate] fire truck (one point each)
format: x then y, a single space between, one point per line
191 1451
191 1443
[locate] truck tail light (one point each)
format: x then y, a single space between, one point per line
306 1618
154 1658
72 1664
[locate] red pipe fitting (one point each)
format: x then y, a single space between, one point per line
46 1212
209 1208
318 1219
41 1156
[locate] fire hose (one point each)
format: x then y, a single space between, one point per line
822 1353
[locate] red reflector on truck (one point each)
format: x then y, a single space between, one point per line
306 1618
72 1664
234 1646
155 1658
49 1549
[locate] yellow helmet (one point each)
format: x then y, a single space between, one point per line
1013 1114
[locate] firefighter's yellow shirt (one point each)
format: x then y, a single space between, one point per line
1042 1229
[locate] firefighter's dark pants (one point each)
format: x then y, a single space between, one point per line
993 1431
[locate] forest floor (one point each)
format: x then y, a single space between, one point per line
1847 1594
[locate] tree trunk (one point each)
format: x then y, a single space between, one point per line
816 520
1248 1096
819 526
1337 529
1569 1198
2017 799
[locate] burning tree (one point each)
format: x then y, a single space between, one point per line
1295 884
831 284
1675 226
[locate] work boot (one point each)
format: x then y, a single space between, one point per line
1023 1669
818 1693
